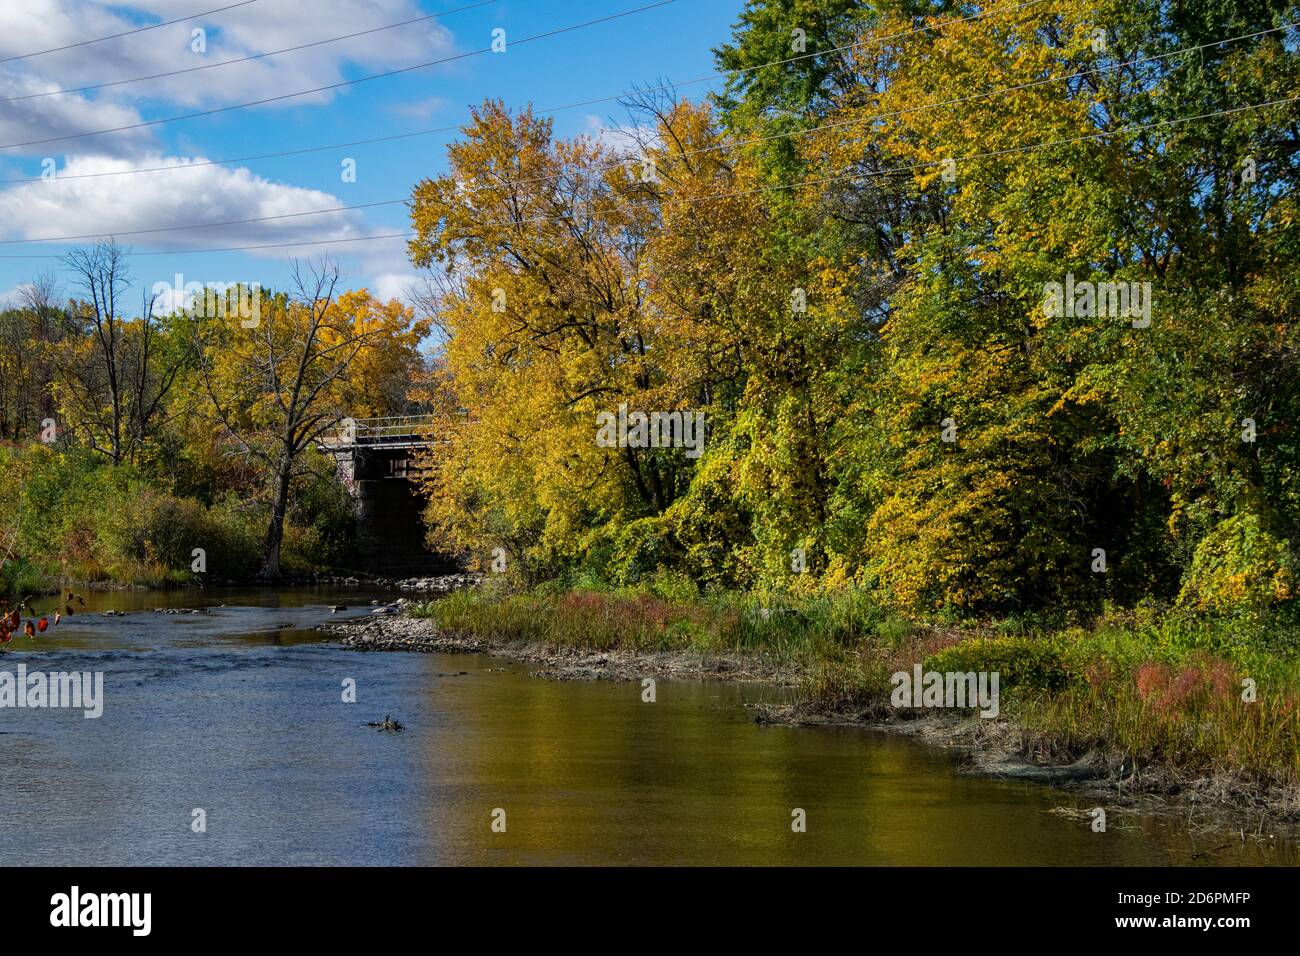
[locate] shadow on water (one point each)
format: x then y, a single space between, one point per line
238 711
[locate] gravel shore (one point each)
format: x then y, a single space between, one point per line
396 632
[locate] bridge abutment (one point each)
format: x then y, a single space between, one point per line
375 465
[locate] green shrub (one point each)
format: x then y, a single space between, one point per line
849 616
840 682
150 527
1030 663
1240 568
675 586
639 550
322 523
78 516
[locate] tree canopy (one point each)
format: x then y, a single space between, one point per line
846 262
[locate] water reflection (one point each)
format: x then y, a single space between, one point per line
238 711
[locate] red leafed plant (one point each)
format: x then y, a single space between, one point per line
11 618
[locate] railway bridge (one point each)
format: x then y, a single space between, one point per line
376 461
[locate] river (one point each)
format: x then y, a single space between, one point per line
238 712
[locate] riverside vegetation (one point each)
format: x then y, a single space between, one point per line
127 443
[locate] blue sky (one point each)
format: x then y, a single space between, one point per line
669 43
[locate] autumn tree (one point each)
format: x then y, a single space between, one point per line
31 329
277 381
1072 434
93 371
845 261
538 250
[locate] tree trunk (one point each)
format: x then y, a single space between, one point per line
275 532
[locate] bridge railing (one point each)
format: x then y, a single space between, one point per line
403 429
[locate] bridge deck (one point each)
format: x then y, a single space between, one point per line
394 431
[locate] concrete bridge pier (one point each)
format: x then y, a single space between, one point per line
375 462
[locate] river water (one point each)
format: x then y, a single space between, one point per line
238 712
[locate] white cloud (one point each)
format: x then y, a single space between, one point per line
10 298
393 285
121 205
147 200
23 121
244 31
621 138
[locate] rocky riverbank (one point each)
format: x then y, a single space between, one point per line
431 584
1003 749
434 584
394 632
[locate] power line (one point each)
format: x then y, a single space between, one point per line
681 153
245 59
342 83
1030 147
1120 65
127 33
211 225
553 109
